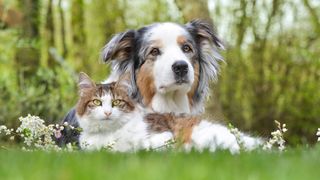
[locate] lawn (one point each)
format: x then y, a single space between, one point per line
299 163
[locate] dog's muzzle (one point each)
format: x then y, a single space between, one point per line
180 70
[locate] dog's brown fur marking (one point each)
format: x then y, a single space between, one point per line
158 122
195 82
181 40
181 126
157 43
124 49
145 82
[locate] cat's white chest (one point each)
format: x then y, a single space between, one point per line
122 141
132 136
95 141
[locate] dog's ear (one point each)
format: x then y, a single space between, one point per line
204 31
209 45
120 47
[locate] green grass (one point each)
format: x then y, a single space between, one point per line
292 164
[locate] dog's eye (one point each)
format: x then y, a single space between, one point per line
155 52
97 102
186 48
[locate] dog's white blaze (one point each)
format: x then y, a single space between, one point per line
170 97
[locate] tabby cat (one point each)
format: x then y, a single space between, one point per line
110 119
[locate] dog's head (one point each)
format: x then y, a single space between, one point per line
167 59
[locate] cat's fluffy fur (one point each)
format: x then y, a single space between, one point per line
121 129
129 134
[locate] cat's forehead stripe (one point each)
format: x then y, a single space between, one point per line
103 88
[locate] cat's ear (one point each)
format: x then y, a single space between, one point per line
85 81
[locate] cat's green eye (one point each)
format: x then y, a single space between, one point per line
116 102
97 102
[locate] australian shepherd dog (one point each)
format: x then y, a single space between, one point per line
169 65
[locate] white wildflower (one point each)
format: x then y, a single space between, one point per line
5 130
238 135
61 128
110 145
277 137
69 147
35 134
318 134
84 145
169 143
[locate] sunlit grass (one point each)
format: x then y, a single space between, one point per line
300 163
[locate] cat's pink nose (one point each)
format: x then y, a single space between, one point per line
107 113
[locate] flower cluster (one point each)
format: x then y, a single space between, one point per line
167 144
235 131
36 135
5 130
110 145
277 137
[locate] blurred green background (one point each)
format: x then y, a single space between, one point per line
272 69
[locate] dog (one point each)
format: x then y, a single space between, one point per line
169 66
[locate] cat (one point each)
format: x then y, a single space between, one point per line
110 119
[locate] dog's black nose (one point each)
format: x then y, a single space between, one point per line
180 68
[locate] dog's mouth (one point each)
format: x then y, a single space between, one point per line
180 84
176 83
182 81
179 80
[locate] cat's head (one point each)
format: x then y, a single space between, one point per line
102 106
